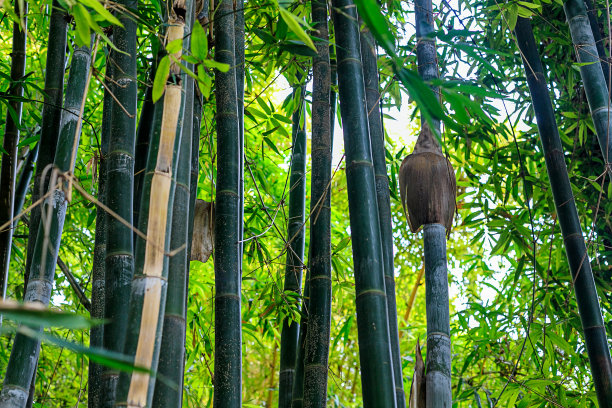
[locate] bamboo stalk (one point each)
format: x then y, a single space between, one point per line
119 261
295 249
172 354
316 358
372 319
377 138
592 75
597 37
51 117
228 333
24 354
24 181
575 248
96 333
149 286
8 166
438 388
438 372
239 61
297 394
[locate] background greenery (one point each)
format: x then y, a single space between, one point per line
514 325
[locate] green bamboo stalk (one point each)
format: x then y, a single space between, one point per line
24 354
96 333
297 394
372 321
149 285
119 261
228 334
592 76
24 180
597 37
575 248
195 166
438 371
320 284
51 116
8 167
295 250
143 138
377 138
172 354
239 58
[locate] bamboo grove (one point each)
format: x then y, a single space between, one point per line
367 177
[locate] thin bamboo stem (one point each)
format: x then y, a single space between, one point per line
295 250
316 358
8 166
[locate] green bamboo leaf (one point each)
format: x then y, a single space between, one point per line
369 10
81 17
199 42
40 316
175 46
217 65
161 76
293 22
99 8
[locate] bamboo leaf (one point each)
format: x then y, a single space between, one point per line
40 316
369 10
161 76
293 22
99 8
81 17
199 42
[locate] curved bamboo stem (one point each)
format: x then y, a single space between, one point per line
24 354
8 166
575 247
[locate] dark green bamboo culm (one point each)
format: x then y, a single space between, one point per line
8 167
51 116
239 59
575 248
428 191
149 285
295 246
119 261
316 354
143 138
371 302
96 333
24 180
377 138
228 333
593 78
24 354
597 37
171 363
